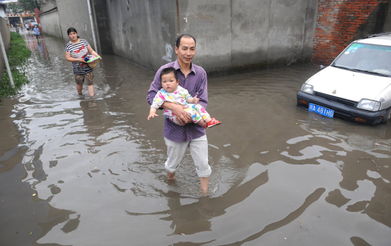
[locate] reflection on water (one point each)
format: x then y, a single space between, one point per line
281 175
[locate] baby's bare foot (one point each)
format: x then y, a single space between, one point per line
202 123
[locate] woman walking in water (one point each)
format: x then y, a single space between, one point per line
76 50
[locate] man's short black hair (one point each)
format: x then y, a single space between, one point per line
168 70
178 39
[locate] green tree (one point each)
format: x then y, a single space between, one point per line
14 7
24 5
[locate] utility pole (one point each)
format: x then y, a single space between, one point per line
6 62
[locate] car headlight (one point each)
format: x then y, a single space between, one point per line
369 105
307 88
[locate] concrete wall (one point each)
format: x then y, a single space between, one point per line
143 30
49 18
74 13
102 23
5 34
58 15
51 23
230 34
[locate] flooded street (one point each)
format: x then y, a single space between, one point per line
89 171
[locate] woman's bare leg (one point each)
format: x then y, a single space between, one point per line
79 89
91 90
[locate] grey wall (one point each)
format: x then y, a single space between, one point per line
143 30
74 13
230 34
51 24
102 23
49 18
58 15
5 34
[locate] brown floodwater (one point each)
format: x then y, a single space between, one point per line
89 171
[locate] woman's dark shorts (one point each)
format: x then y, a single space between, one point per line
79 78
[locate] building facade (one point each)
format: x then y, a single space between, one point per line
231 35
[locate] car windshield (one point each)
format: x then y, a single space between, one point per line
367 58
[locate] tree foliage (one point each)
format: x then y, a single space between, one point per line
24 5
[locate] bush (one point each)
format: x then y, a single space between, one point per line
17 54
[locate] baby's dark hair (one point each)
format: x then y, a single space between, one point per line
168 70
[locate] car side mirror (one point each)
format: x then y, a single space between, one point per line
321 67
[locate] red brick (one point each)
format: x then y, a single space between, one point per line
342 18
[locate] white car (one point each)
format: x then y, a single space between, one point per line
357 84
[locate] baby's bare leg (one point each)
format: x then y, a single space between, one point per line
202 123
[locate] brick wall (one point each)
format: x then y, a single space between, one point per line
338 23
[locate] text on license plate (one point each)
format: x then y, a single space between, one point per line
321 110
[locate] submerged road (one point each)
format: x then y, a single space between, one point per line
89 171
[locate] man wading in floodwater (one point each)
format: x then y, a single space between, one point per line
179 137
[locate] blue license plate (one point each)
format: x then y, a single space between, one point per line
321 110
